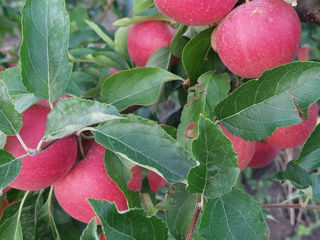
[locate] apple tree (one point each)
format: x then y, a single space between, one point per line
142 127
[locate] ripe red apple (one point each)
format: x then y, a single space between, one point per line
245 149
295 135
3 206
88 179
155 181
257 36
135 182
113 71
145 38
103 237
303 54
264 155
1 68
43 169
195 13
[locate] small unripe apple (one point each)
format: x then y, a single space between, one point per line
155 181
43 169
257 36
195 13
88 179
295 135
264 155
146 37
243 148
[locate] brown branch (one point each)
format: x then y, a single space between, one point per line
106 10
297 206
195 217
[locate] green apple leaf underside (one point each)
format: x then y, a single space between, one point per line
9 168
257 108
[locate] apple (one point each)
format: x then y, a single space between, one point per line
304 54
103 237
295 135
113 71
243 148
3 206
43 169
146 37
88 179
264 155
1 68
195 13
155 181
135 182
257 36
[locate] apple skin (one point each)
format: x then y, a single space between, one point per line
135 182
264 155
257 36
295 135
304 54
45 168
155 181
243 148
145 38
195 13
88 179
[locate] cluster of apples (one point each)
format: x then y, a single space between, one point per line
250 39
74 180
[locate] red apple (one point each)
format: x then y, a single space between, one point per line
146 37
295 135
195 13
264 155
1 68
88 179
244 149
113 71
103 237
135 182
155 181
303 54
257 36
43 169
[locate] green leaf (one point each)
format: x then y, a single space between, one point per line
9 168
218 170
198 56
310 155
82 35
142 5
210 90
45 65
120 41
179 217
257 108
296 175
136 19
73 114
81 83
121 175
10 119
140 86
315 177
233 216
99 31
11 229
78 17
23 101
143 142
3 140
131 225
161 58
90 232
179 41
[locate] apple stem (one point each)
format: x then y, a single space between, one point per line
22 143
106 10
78 133
195 217
296 206
80 146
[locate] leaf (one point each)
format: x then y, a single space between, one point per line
9 168
310 155
257 108
233 216
100 32
161 58
296 175
82 35
143 142
120 41
132 225
72 114
136 19
90 232
3 140
11 229
142 5
179 217
218 170
315 177
10 119
45 65
179 41
198 56
121 175
23 101
210 90
81 83
140 86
